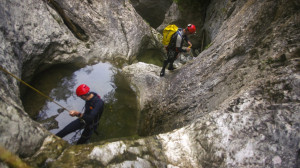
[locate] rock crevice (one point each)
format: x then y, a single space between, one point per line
74 28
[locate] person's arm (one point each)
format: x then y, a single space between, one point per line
190 44
189 47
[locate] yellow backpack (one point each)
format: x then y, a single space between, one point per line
167 34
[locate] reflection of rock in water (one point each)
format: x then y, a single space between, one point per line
50 123
60 110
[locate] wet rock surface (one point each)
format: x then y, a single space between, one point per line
241 94
157 9
35 35
235 105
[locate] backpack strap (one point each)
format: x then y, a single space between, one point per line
178 32
173 40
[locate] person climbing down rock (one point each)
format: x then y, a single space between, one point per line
174 47
89 120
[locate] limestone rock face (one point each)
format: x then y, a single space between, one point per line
153 11
182 13
143 83
36 34
238 101
172 16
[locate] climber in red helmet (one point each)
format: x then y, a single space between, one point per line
175 46
89 120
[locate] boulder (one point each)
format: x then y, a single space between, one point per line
35 35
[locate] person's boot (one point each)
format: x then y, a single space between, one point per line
162 72
171 67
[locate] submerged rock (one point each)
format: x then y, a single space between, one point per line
50 123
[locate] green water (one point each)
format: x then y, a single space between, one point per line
151 57
119 118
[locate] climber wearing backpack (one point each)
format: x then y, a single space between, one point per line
174 43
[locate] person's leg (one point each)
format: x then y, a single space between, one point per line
73 126
162 72
85 136
170 55
171 67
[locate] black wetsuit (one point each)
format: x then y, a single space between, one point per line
89 121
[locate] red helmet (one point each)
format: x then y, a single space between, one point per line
82 90
191 28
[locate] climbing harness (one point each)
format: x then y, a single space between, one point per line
76 136
20 80
78 132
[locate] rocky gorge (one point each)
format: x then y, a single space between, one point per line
235 104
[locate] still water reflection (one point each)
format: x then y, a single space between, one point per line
120 114
151 56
